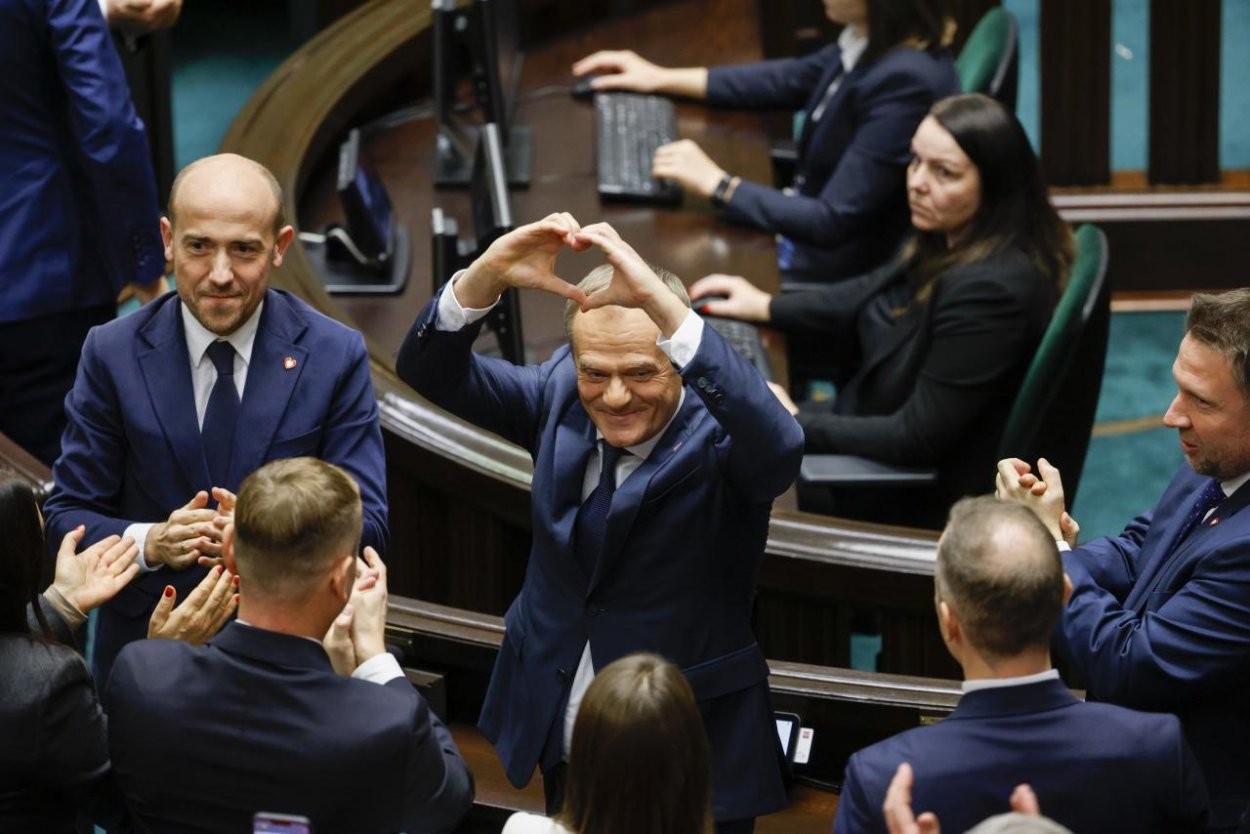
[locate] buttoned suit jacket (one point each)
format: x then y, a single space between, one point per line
683 544
78 203
1094 767
850 210
204 737
132 450
1157 624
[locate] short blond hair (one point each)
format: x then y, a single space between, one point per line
293 519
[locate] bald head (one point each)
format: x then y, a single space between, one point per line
998 567
229 172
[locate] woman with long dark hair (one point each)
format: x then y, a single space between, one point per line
926 352
639 757
861 99
54 760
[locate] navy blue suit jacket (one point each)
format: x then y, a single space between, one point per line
1094 767
132 449
203 738
1156 626
850 210
682 551
78 205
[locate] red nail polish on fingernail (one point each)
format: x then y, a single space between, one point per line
169 590
219 570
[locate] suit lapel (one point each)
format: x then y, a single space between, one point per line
1169 554
904 329
574 443
275 368
166 369
834 69
629 495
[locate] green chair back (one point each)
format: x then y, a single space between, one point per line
1054 409
989 62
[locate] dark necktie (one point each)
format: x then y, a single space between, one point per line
592 518
1210 497
221 417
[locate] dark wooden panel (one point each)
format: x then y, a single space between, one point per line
1076 91
1185 91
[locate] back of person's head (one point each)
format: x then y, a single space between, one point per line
1018 824
1222 323
294 519
920 24
639 758
1014 207
999 569
21 530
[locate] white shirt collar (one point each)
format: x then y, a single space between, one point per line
1000 683
1233 484
643 450
853 41
200 337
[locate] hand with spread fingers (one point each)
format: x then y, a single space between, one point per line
525 258
203 613
685 163
188 534
93 577
634 283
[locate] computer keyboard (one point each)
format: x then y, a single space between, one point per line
628 129
745 340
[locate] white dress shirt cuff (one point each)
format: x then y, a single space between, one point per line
381 668
451 315
684 343
1062 545
139 532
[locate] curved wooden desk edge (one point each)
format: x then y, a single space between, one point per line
290 121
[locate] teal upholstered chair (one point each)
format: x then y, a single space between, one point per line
990 60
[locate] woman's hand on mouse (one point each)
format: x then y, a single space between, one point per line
738 298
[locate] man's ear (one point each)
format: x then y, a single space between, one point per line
343 576
167 237
948 623
1067 588
227 549
285 236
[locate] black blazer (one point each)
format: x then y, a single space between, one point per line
54 756
849 211
204 737
931 388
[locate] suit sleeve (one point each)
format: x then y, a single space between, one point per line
88 475
979 334
766 444
868 176
781 84
1192 802
353 440
856 812
111 140
492 393
73 748
1196 642
439 785
1111 563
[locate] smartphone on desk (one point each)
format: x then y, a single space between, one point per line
266 823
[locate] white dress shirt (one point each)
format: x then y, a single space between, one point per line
203 378
1002 683
853 41
680 349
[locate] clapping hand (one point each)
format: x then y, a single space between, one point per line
1015 481
141 16
185 536
900 819
368 603
225 516
203 613
91 578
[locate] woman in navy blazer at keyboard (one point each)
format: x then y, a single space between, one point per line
861 99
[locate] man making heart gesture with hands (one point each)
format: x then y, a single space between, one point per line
657 455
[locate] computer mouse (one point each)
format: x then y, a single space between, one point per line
582 87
